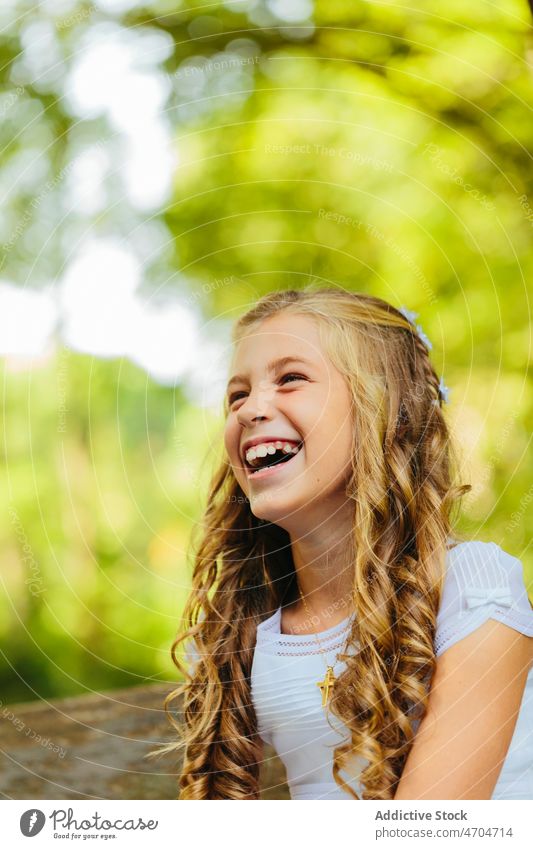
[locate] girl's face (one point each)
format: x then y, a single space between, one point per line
284 388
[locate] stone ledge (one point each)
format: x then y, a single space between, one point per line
94 747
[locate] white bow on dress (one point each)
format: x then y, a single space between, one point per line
479 596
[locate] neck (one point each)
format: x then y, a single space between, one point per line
323 562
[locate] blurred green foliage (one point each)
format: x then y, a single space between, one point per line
374 146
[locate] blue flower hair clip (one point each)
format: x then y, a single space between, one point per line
444 392
410 316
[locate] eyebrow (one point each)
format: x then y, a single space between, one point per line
272 366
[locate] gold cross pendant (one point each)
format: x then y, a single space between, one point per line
326 684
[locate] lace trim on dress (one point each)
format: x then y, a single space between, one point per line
272 641
293 653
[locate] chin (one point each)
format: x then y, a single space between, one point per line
277 509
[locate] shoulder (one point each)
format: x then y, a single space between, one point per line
477 570
482 581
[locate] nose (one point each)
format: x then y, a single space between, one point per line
256 407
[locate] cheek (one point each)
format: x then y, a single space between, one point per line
333 445
232 442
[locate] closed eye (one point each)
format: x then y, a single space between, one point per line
297 376
235 396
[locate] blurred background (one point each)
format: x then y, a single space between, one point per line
163 165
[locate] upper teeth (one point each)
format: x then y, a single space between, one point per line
265 448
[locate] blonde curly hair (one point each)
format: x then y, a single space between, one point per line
403 494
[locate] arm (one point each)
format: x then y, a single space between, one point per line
475 696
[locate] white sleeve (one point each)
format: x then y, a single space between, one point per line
191 651
266 737
482 582
191 654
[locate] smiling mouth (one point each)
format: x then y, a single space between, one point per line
271 463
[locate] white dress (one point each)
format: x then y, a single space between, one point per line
482 582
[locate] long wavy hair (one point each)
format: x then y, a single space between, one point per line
403 497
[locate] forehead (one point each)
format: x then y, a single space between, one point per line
281 335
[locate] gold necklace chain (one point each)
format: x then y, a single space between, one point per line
329 679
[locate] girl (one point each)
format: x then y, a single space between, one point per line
332 613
